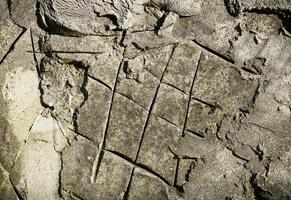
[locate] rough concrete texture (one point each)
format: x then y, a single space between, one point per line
145 100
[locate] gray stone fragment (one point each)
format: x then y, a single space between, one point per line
92 117
182 66
113 177
125 127
111 180
77 165
8 31
203 119
171 105
221 85
24 12
159 143
145 186
212 28
139 78
136 83
156 60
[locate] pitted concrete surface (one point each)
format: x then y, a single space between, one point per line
145 100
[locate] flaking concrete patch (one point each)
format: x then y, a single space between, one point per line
22 97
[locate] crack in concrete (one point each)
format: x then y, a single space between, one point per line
186 117
11 48
103 142
26 139
146 123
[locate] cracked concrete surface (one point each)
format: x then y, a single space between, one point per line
145 99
